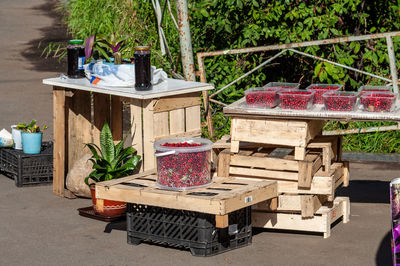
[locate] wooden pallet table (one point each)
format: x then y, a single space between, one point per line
220 198
80 110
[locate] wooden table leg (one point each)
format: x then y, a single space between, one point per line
59 141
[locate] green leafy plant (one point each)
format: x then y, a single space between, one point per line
107 46
32 127
111 161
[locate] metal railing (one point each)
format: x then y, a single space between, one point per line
290 47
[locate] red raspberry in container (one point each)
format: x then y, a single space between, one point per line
262 97
339 100
320 89
296 99
367 88
374 101
183 163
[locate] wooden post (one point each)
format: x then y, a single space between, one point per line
224 159
221 221
148 135
116 118
305 174
59 140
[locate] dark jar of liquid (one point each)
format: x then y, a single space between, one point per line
76 59
142 68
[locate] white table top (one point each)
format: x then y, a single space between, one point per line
174 87
317 112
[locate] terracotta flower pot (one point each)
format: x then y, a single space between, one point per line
109 208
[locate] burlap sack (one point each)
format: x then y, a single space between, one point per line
76 176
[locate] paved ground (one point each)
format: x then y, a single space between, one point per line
38 228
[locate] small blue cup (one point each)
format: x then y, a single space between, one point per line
31 142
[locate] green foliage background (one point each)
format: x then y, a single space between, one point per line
230 24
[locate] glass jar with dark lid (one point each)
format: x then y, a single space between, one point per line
76 59
142 68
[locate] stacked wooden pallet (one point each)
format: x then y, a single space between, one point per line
308 171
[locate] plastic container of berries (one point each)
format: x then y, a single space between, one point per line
283 85
378 101
183 163
296 99
367 88
262 97
340 100
320 89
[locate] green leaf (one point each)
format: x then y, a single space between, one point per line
107 143
204 13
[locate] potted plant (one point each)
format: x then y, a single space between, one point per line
110 161
31 137
112 46
16 131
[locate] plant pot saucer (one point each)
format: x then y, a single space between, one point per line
89 213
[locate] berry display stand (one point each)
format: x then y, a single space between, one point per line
80 110
28 169
193 230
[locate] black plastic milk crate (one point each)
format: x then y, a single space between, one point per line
28 169
188 229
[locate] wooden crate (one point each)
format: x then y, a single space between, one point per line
258 163
331 147
294 133
307 205
223 196
321 222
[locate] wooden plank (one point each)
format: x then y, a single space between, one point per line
189 134
177 102
193 118
261 173
79 126
101 112
307 206
279 132
346 174
148 135
221 221
314 128
305 174
290 203
136 134
268 163
59 125
116 118
299 153
177 121
224 158
161 127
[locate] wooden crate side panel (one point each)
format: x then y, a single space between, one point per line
177 102
136 131
279 132
290 203
314 128
161 127
116 118
148 135
320 185
192 117
267 163
265 174
79 125
177 121
101 112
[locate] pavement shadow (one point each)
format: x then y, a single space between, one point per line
55 33
366 191
384 254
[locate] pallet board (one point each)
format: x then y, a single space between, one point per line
321 222
259 163
295 133
223 196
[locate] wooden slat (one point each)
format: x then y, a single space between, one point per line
192 117
221 221
101 112
305 174
177 102
116 118
59 124
189 134
79 126
148 135
224 158
307 206
177 121
290 203
268 163
136 134
261 173
161 128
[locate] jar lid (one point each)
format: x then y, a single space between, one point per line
142 48
76 41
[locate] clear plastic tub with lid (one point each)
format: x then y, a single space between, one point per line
378 101
376 88
340 100
319 89
296 99
262 97
283 85
183 163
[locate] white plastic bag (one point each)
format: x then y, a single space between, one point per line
6 138
106 74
